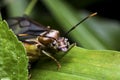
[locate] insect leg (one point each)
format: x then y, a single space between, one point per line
57 62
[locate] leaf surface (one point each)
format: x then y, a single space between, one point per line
81 64
13 59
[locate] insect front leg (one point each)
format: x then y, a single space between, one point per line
71 46
57 62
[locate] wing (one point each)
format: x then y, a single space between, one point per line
23 25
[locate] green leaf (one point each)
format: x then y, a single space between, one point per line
81 64
16 7
13 59
106 31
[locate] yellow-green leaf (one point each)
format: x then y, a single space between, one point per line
81 64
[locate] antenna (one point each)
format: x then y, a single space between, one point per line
91 15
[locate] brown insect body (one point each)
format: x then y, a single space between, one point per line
40 41
45 43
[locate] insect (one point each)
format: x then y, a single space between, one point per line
39 40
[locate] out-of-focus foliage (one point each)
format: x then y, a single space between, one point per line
93 34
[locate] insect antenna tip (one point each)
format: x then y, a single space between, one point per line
93 14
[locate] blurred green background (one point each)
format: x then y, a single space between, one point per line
100 32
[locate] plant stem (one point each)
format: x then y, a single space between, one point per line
30 7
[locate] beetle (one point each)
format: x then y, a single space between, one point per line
39 40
